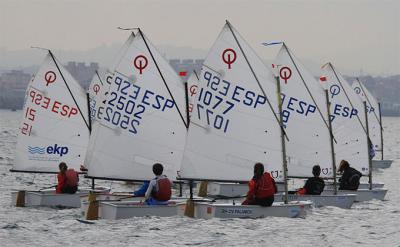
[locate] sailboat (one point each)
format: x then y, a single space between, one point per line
350 130
95 92
98 93
306 120
55 127
375 122
233 126
143 122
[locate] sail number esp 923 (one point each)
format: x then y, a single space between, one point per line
128 102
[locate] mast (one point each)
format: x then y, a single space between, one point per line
187 128
380 123
284 161
369 147
90 123
328 105
187 105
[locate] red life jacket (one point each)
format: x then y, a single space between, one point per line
164 189
61 182
301 191
72 178
265 186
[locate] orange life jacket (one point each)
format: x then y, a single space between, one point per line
264 186
301 191
164 190
72 178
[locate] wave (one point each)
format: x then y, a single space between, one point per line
36 150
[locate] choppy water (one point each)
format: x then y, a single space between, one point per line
375 223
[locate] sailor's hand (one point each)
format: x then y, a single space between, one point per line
83 168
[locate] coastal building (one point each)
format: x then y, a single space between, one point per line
81 72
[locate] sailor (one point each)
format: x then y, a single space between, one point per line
314 185
67 179
350 179
262 188
159 190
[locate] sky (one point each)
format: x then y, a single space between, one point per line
355 35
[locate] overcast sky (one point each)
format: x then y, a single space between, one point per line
354 35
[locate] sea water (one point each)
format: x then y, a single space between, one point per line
373 223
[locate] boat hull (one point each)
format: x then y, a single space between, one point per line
329 186
129 209
341 201
104 198
49 198
362 194
381 164
225 210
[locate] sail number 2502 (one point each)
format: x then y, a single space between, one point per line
127 104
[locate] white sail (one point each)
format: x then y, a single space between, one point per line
192 87
143 119
108 77
373 113
54 124
95 91
232 126
348 120
305 118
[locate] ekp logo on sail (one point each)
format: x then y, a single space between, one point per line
52 149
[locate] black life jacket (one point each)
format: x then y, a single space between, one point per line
350 179
315 186
354 181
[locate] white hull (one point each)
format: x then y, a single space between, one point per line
224 210
104 198
329 186
341 201
49 198
129 209
232 190
381 164
362 194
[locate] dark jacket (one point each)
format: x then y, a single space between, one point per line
314 186
350 179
